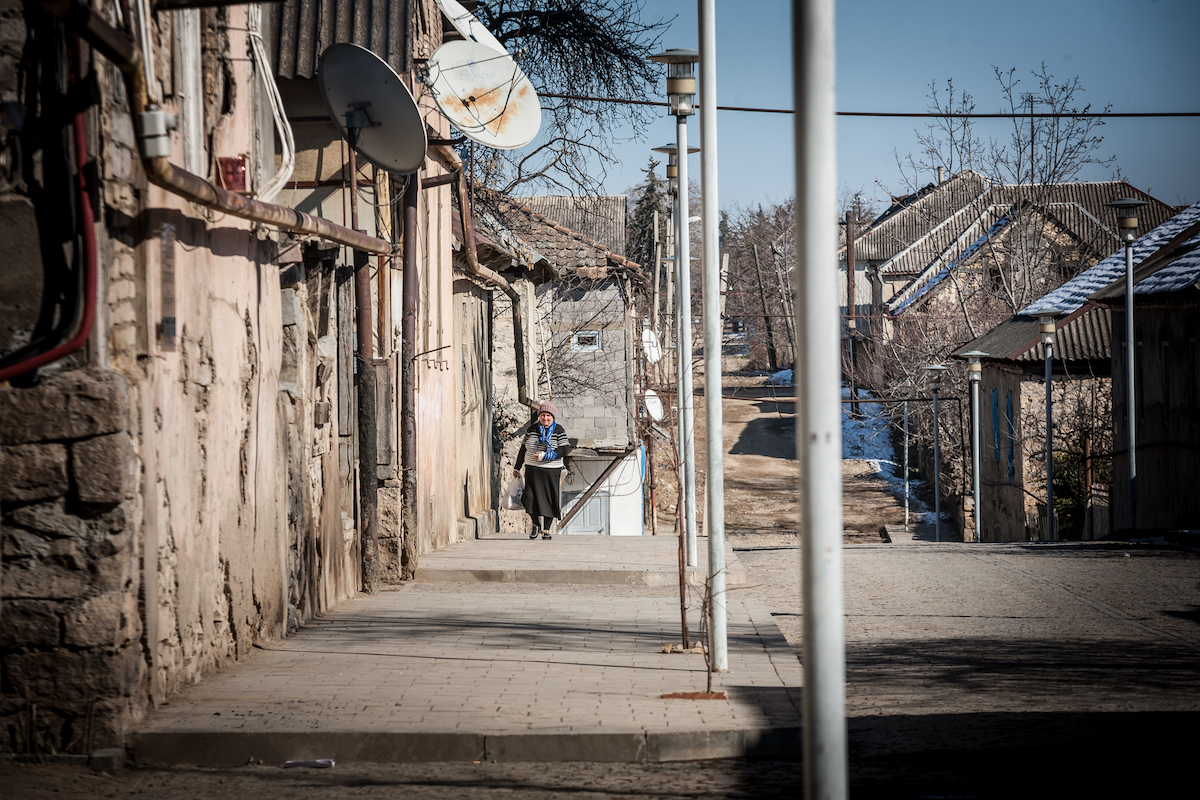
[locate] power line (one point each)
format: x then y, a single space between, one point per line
904 114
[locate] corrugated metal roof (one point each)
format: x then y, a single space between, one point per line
1181 274
599 218
912 217
1077 209
1084 330
1075 292
304 28
1084 338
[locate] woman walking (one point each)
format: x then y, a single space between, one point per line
542 454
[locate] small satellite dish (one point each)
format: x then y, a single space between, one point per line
654 406
465 23
650 346
484 94
372 109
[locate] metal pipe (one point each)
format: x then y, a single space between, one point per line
818 418
937 471
115 46
1050 532
1130 396
409 298
687 432
657 276
368 421
714 482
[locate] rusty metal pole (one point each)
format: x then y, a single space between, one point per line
408 382
368 478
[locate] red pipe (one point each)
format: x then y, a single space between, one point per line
90 269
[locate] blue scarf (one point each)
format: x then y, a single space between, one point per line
544 436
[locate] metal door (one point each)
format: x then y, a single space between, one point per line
592 518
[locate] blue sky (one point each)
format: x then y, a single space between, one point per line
1137 55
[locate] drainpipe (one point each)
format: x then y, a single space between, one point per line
118 49
409 297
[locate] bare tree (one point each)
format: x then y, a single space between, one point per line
584 48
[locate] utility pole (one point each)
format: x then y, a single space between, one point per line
772 358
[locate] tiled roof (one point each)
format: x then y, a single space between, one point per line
1075 292
599 218
564 248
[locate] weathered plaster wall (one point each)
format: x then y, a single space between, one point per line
147 543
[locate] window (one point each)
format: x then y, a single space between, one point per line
585 341
1012 453
996 424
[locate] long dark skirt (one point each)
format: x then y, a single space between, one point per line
541 498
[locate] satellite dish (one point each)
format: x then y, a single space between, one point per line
650 346
654 406
484 94
465 23
371 108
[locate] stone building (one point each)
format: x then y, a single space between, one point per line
179 428
587 347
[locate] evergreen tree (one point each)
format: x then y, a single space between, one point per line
647 198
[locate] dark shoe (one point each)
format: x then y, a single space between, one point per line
546 535
533 534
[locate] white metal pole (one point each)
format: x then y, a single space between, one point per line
689 555
1130 396
937 471
906 465
974 375
818 399
714 484
684 350
657 277
1051 534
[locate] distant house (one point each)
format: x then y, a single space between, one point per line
1166 325
961 247
1088 373
586 341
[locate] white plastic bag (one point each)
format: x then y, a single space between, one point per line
512 498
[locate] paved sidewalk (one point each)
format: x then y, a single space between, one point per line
497 673
595 560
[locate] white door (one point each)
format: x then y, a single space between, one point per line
592 518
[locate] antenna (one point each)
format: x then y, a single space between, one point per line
471 28
372 109
484 94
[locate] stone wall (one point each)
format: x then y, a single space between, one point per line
70 635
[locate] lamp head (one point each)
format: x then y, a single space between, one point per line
681 79
935 375
974 366
1046 317
1127 211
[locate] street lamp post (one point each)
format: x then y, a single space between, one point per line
974 373
935 383
683 345
681 92
1127 222
1046 320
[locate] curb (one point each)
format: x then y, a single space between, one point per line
228 749
581 577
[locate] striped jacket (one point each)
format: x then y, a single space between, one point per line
530 447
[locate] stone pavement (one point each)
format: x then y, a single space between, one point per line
596 560
470 672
